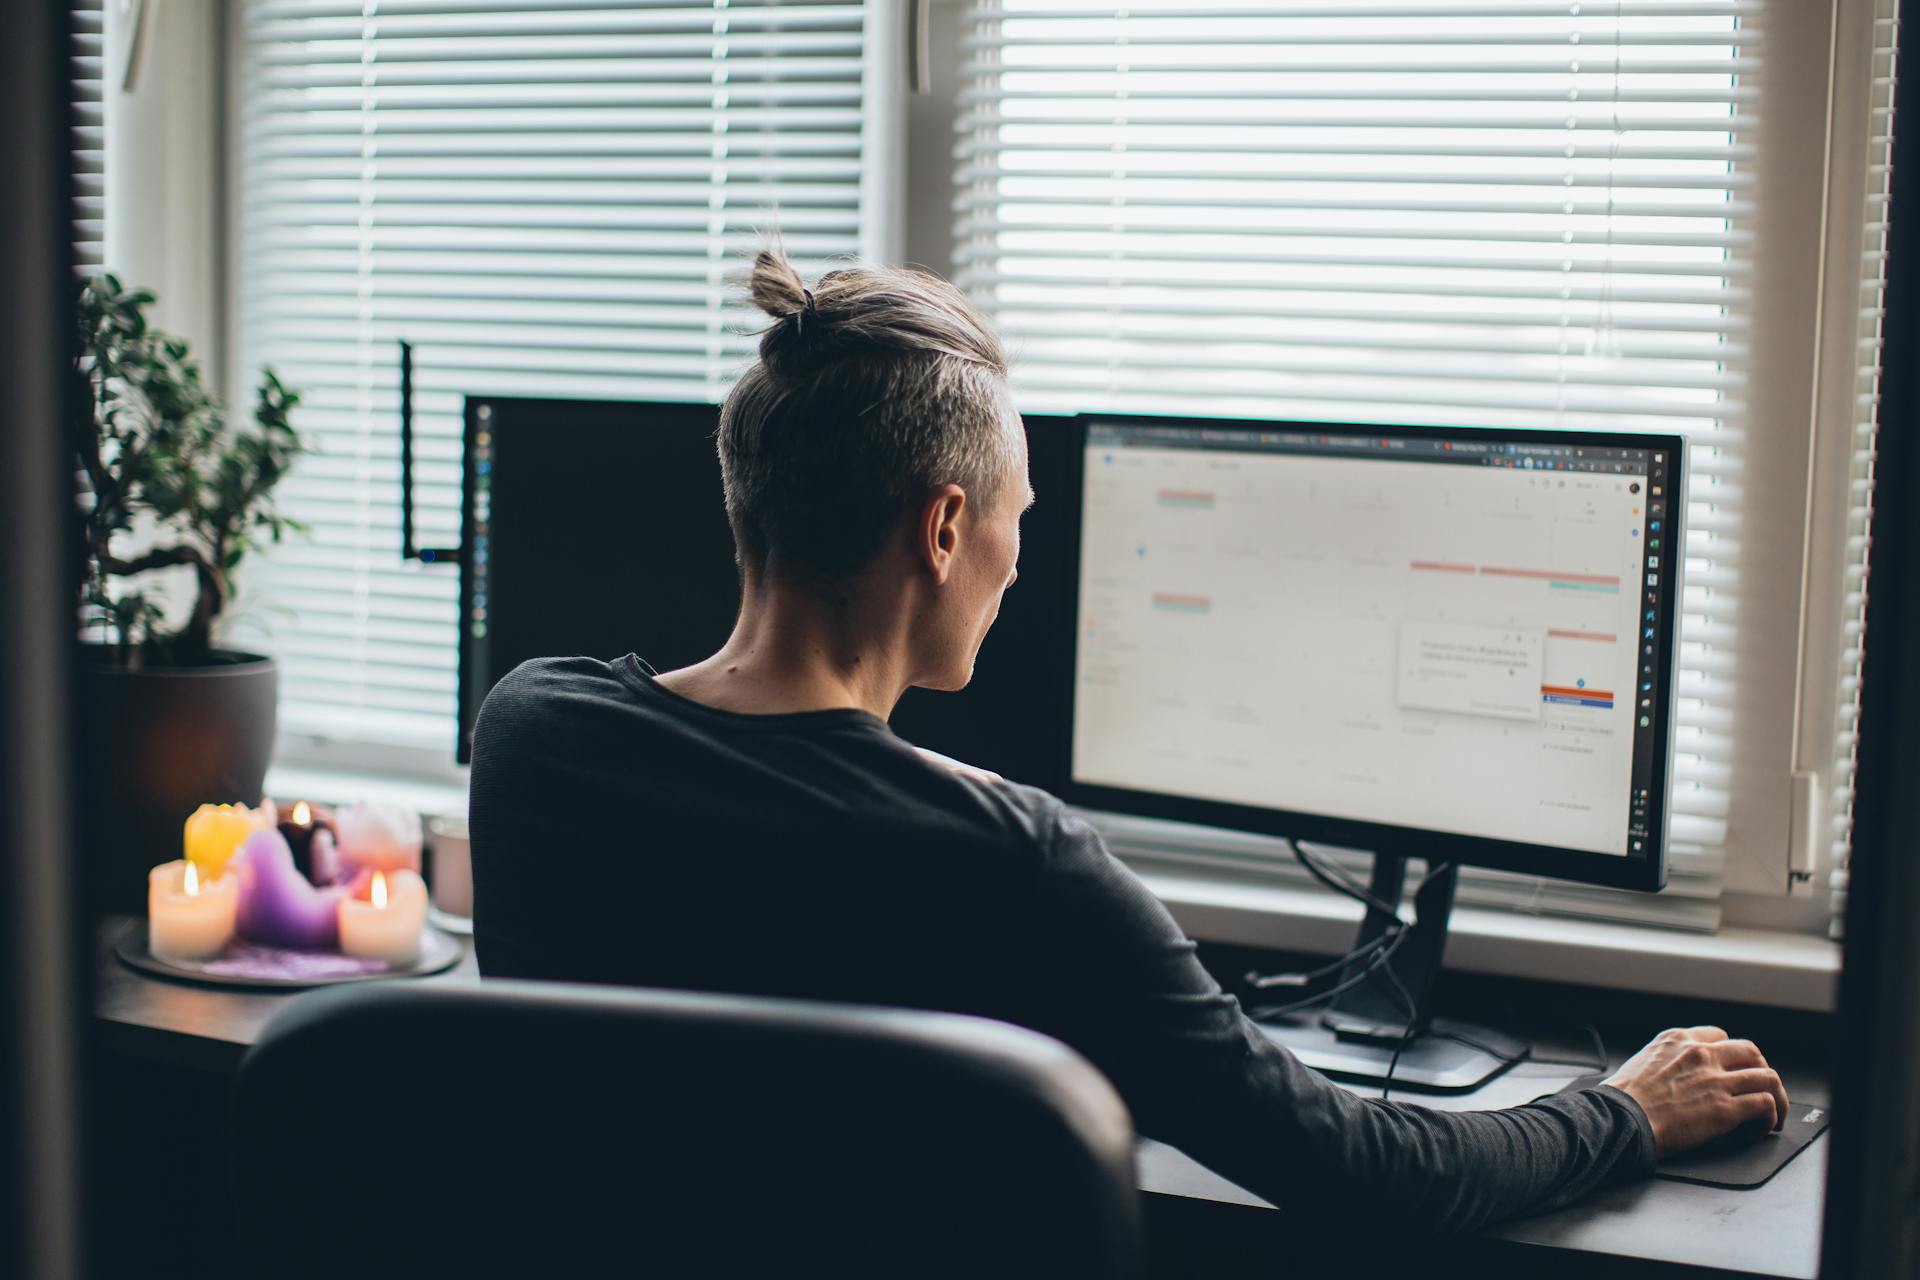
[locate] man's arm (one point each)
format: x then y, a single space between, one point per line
1124 987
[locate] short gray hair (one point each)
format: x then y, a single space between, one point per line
872 388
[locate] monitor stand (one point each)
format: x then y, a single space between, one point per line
1358 1034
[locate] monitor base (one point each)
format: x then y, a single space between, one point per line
1432 1062
1386 986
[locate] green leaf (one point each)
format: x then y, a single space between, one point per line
161 452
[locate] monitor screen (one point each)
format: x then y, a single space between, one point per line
1450 644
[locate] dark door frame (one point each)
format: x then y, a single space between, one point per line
41 964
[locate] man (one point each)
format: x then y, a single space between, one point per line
750 824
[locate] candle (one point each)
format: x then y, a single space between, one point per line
323 859
309 832
278 907
376 837
382 916
216 830
187 918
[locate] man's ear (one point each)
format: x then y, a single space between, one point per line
936 534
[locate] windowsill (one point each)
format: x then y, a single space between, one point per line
295 781
1753 966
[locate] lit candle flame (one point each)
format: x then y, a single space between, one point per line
302 814
379 891
191 884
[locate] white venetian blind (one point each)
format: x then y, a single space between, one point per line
544 200
1872 269
1494 213
89 192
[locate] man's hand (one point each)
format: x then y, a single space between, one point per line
959 766
1696 1084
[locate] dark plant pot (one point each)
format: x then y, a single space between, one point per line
155 745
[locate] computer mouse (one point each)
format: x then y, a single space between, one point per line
1743 1136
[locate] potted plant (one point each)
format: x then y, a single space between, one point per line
169 720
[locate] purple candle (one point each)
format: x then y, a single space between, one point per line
278 906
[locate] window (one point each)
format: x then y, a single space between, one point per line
544 202
1575 215
1530 214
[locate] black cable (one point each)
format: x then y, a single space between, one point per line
1255 981
1393 1063
1386 942
1392 943
1333 870
1406 997
1336 879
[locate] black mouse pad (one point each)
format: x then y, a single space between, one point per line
1739 1164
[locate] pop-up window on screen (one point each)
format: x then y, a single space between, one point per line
1470 670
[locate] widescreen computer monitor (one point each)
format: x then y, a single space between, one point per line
589 528
1444 644
597 528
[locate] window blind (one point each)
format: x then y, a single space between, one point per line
544 201
1506 214
89 189
1865 428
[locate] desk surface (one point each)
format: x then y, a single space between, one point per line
183 1025
1771 1231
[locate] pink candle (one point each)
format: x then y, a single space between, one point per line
376 837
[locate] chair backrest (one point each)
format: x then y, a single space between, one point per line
543 1129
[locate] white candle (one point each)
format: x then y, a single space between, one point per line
386 924
188 918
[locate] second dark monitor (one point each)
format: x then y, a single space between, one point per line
597 528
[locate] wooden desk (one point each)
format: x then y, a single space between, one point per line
177 1024
1647 1228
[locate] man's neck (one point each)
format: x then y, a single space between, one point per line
794 650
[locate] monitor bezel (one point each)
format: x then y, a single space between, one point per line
1646 871
465 708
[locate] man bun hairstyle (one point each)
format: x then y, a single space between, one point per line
872 388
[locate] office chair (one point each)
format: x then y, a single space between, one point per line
540 1129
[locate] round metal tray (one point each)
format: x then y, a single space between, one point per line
438 953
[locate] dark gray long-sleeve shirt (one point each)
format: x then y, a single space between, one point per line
622 833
